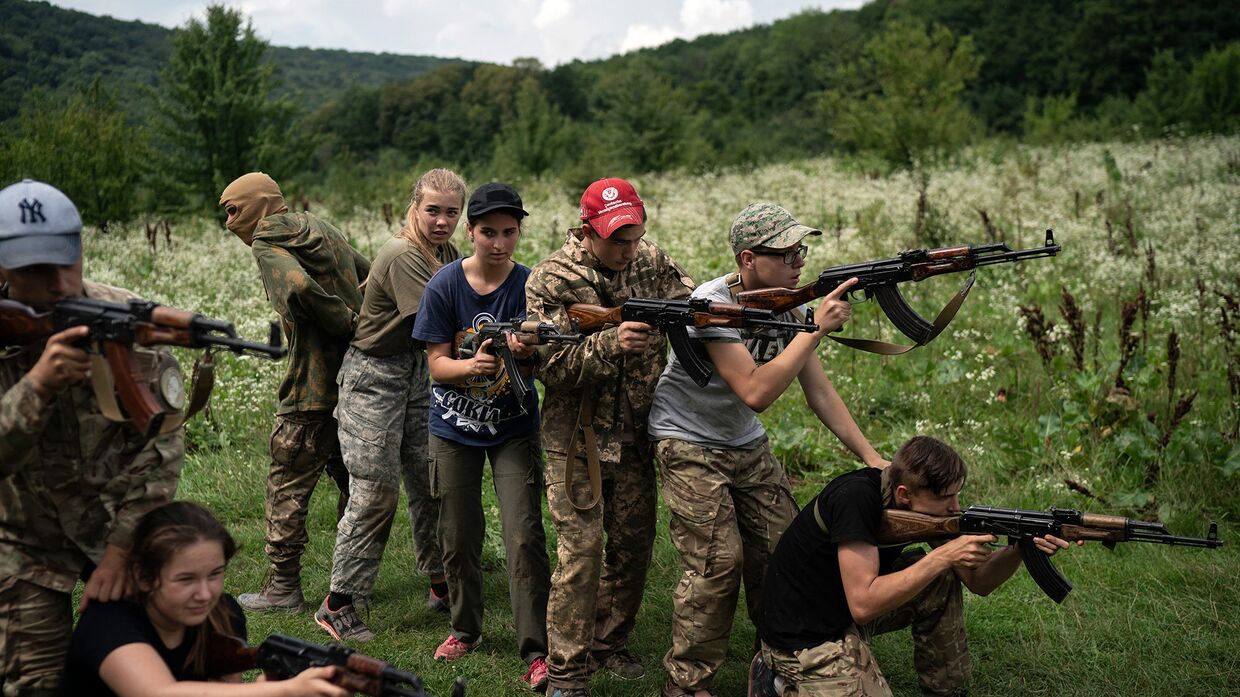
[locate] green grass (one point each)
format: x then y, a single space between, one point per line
1142 619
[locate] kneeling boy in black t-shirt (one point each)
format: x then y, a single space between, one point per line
830 586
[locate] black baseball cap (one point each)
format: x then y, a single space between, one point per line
494 197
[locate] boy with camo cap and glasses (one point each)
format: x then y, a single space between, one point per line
728 496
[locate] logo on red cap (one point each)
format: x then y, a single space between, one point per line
609 204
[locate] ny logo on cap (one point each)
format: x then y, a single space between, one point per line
35 209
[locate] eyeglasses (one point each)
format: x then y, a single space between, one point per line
790 256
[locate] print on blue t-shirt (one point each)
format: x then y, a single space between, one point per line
483 411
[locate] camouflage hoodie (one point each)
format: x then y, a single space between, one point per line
597 366
312 276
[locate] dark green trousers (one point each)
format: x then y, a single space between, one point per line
456 480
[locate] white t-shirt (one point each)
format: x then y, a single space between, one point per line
713 416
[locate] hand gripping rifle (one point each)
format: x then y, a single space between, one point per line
114 329
281 657
673 316
1022 526
529 332
880 279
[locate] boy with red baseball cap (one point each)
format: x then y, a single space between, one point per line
599 471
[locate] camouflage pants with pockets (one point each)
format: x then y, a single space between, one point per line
846 668
728 509
603 557
456 480
382 411
35 623
303 445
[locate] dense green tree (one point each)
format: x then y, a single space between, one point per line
535 139
643 120
216 102
902 98
82 145
1166 86
1213 99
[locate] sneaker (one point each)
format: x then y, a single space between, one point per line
281 593
569 692
343 624
536 676
624 665
453 648
436 602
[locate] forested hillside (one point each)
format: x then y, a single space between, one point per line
42 45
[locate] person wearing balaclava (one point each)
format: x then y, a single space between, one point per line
312 278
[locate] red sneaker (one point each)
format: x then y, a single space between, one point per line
453 648
536 676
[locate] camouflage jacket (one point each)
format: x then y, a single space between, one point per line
597 366
71 481
312 276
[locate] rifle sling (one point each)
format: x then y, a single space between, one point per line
594 471
946 315
101 381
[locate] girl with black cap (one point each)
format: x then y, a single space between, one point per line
475 416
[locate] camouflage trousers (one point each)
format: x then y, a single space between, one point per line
35 623
846 668
728 509
382 411
516 473
603 556
303 445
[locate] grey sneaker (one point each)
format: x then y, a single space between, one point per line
343 624
569 692
624 665
279 594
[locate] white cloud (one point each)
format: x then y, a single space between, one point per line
645 36
552 11
715 16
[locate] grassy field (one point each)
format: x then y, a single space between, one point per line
1064 382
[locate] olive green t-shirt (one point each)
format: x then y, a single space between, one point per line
398 275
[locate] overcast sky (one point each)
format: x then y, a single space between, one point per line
497 31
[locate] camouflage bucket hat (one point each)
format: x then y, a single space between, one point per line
767 225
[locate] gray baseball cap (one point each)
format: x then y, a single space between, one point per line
38 225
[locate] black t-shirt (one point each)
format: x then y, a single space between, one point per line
803 602
105 627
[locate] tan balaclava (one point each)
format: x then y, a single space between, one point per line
256 196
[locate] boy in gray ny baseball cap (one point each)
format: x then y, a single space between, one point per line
38 225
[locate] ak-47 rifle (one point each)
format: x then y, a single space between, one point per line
281 657
1021 527
673 316
880 279
528 332
117 327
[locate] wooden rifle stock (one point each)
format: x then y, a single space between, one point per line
591 318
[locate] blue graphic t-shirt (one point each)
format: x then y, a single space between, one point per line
483 411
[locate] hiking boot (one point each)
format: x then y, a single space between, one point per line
453 648
762 680
569 692
624 665
343 624
437 603
281 593
536 676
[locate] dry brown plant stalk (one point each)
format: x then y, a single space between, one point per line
1127 340
1173 363
1076 325
1038 328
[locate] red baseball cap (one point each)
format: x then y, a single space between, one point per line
609 204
